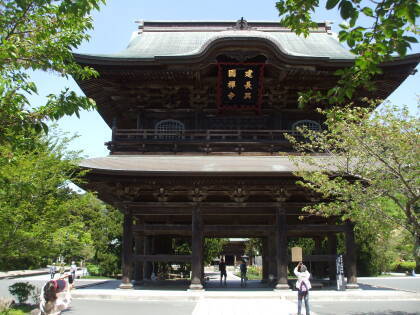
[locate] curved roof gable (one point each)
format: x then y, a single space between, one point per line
172 40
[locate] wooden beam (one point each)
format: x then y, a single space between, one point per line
245 228
161 227
163 258
208 211
215 205
316 228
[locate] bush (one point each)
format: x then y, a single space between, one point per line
403 266
94 270
22 291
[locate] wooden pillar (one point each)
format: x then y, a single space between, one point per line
197 250
332 250
147 265
138 250
127 257
265 260
351 271
281 249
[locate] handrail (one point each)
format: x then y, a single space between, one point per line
200 134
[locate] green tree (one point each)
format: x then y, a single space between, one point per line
34 200
39 35
42 218
253 247
212 248
375 31
365 168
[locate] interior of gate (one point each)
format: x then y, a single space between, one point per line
168 218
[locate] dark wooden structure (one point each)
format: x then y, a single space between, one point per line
198 112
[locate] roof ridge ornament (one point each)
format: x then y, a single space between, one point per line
242 24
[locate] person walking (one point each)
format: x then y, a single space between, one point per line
302 285
73 270
53 270
61 270
222 269
243 269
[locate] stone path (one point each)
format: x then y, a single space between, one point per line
207 306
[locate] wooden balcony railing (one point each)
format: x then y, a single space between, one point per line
211 140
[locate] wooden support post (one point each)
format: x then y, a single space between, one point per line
332 250
138 250
265 260
197 250
351 271
127 264
281 249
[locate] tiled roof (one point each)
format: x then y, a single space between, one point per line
146 164
157 40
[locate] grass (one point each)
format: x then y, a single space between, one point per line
18 310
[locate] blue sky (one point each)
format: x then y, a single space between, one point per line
114 25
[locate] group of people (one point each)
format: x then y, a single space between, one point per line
303 285
223 275
55 295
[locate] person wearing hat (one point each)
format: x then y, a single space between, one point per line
302 285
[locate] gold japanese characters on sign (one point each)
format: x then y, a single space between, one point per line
239 85
232 73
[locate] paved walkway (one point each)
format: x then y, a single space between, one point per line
244 307
178 291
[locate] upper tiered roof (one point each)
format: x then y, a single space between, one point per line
159 40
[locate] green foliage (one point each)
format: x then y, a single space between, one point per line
403 266
212 248
21 290
42 218
368 170
40 35
94 270
108 263
253 247
307 244
375 31
253 273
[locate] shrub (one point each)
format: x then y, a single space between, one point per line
403 266
93 270
22 291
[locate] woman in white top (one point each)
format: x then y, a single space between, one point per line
55 297
303 285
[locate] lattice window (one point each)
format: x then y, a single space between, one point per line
169 129
310 124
